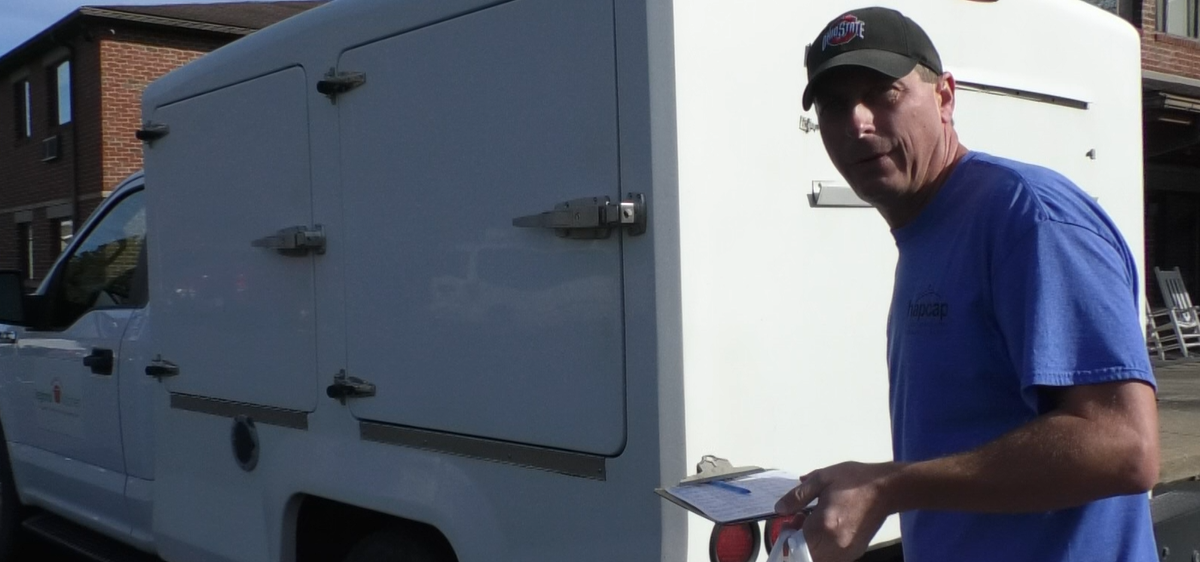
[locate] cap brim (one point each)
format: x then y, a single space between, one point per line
889 63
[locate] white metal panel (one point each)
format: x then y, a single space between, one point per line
465 323
83 493
238 320
138 392
76 415
784 310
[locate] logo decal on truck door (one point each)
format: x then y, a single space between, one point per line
58 405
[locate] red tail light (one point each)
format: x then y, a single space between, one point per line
773 527
734 543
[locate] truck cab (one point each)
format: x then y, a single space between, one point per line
76 406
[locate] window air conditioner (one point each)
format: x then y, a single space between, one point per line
50 149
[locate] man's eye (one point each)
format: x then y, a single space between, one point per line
830 106
887 94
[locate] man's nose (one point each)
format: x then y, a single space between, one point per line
862 121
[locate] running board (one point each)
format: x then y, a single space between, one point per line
83 541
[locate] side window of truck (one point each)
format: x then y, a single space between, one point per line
107 268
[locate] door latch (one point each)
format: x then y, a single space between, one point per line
591 218
337 83
8 336
297 241
160 368
344 387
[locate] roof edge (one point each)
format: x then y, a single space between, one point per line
8 58
109 13
18 54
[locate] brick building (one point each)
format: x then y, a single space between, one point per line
1171 138
1170 32
70 103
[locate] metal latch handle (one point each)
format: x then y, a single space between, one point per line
294 241
337 83
159 368
344 387
8 336
591 217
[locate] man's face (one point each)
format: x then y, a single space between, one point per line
884 135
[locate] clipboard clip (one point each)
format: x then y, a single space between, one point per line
712 468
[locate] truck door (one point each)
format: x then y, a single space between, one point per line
464 323
72 412
236 318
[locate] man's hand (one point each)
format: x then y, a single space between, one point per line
851 506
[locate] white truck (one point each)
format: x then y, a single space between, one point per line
443 280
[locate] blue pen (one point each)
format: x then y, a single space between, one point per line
730 487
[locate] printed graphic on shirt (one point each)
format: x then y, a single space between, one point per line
927 310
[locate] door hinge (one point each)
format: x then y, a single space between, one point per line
337 83
295 241
344 387
152 131
591 218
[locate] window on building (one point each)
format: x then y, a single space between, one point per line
1110 5
60 93
25 249
65 230
23 106
1179 17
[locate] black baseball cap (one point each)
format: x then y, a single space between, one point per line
878 38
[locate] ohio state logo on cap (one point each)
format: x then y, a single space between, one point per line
844 32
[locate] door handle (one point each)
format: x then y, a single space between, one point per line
100 361
8 336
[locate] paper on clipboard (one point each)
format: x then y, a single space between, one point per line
719 501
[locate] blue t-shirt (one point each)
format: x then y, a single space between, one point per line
1011 278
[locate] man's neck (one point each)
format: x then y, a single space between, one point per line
898 216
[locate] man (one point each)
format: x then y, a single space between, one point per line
1023 411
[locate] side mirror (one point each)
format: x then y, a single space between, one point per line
12 298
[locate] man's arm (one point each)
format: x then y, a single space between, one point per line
1098 441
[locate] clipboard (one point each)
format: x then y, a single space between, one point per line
727 494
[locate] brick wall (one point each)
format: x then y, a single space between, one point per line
1165 53
129 62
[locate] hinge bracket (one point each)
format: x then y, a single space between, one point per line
336 83
344 387
152 131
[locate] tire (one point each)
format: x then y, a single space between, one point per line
10 506
392 545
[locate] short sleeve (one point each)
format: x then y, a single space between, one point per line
1065 299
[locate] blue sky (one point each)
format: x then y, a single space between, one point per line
22 19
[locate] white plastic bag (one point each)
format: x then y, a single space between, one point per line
797 549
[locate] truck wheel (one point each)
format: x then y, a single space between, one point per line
10 506
391 545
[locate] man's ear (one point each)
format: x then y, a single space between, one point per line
946 90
